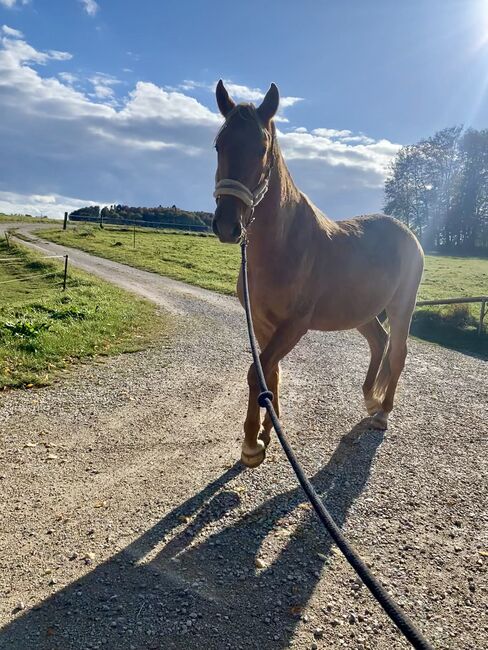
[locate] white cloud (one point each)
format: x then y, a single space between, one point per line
103 86
16 52
37 205
340 148
152 146
10 31
90 6
68 77
58 141
10 4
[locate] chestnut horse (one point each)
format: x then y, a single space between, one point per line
307 272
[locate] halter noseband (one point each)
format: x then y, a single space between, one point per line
231 187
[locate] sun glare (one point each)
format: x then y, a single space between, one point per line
484 21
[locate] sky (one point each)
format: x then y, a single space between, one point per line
112 101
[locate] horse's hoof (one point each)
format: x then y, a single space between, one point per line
373 406
265 436
253 456
379 421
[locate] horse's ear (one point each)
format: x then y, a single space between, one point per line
270 104
224 102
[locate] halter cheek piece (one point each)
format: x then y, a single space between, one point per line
232 187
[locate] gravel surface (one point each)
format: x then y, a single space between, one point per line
127 524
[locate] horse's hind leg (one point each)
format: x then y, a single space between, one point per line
377 338
399 313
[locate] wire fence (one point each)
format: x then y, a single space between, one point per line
155 225
12 261
30 277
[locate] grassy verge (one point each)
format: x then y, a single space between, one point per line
197 259
23 218
205 262
43 329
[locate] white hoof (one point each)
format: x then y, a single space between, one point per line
379 421
253 456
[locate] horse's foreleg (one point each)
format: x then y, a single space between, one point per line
274 385
281 342
252 449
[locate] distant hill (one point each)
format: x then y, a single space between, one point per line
160 217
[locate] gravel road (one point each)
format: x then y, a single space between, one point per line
128 525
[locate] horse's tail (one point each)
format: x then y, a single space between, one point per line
382 377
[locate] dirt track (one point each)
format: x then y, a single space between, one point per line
130 526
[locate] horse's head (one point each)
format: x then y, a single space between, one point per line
245 151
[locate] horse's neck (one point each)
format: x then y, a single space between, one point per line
283 210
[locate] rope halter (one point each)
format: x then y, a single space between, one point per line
232 187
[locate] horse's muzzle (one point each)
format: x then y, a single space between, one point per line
227 227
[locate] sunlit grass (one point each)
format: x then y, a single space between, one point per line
23 218
199 260
43 329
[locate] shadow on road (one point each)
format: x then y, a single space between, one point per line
175 587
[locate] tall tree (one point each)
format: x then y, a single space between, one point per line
439 188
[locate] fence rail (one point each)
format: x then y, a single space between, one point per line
460 301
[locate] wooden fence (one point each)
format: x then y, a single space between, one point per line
453 301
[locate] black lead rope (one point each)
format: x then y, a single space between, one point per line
394 611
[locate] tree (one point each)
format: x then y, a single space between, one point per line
439 188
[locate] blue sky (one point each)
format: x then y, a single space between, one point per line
112 101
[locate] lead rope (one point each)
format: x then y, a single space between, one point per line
394 611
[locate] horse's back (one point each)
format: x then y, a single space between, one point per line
383 235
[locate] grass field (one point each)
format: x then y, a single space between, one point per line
44 329
197 259
205 262
23 218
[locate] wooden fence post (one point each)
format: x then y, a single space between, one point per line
65 272
482 317
65 220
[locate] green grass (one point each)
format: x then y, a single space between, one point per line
23 218
43 329
196 259
205 262
453 326
451 277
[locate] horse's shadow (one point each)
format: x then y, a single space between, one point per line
200 588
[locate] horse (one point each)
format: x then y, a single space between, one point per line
306 271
